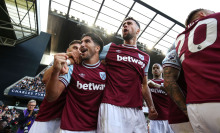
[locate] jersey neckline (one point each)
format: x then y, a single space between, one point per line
91 65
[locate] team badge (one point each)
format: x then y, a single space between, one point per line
141 56
82 75
102 75
118 51
172 56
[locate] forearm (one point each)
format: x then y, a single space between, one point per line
47 75
53 89
147 96
176 95
173 89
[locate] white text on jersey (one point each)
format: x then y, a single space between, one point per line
130 59
158 91
90 86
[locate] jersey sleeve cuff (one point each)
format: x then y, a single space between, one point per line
64 81
146 74
171 65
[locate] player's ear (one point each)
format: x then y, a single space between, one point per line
67 50
202 14
97 48
138 31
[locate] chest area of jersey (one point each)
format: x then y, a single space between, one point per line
158 91
127 56
88 80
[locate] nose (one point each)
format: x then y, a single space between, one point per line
125 25
82 44
81 47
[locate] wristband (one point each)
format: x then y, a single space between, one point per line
68 62
162 85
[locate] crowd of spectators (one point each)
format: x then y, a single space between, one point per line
31 84
9 119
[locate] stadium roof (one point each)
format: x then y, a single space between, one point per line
18 21
158 30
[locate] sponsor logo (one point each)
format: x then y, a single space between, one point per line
102 75
130 59
141 56
158 91
90 86
82 75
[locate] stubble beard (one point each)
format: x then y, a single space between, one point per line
128 36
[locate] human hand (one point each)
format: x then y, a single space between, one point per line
65 69
30 113
74 57
59 62
152 113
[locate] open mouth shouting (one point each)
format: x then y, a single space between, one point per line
83 50
125 30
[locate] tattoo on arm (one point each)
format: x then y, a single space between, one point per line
172 88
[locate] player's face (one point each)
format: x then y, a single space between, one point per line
129 29
88 48
74 48
157 70
31 106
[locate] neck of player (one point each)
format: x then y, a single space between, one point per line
131 41
94 59
157 76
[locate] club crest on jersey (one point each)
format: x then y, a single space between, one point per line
82 75
102 75
141 56
118 51
172 56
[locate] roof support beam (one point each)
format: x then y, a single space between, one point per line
68 11
147 25
99 12
125 17
164 35
159 12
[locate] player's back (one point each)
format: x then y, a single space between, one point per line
51 110
198 48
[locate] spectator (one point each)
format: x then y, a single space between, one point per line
26 119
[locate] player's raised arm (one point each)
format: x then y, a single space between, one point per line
55 87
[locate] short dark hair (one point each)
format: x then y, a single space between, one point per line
192 15
74 42
131 18
96 39
158 64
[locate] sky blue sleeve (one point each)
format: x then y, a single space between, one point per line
172 60
146 68
104 51
65 79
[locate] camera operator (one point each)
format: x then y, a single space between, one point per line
26 119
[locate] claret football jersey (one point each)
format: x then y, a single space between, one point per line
51 110
161 100
198 49
126 67
85 85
